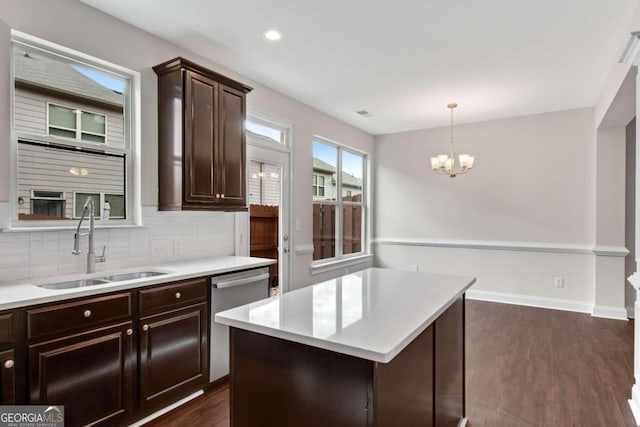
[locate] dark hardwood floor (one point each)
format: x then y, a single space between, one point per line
525 367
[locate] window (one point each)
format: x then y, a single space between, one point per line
318 185
106 206
338 201
268 130
76 124
47 204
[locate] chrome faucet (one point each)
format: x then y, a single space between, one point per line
92 259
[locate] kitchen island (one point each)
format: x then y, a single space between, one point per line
379 348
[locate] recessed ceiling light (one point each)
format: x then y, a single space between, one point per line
272 35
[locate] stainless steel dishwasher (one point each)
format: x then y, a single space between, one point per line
229 291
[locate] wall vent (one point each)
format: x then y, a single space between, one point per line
364 113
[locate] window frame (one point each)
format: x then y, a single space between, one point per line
339 203
78 129
131 147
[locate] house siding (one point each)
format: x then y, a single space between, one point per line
30 115
47 169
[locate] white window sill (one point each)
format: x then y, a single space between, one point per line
323 267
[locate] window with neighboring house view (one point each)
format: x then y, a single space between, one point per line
74 123
341 172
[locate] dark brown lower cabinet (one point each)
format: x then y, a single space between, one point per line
284 383
90 373
173 355
7 378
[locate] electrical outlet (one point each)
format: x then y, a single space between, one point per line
558 282
414 267
158 247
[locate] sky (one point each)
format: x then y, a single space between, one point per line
114 83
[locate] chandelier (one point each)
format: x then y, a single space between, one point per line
445 164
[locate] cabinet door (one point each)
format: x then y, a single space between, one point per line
89 373
173 355
231 152
201 134
7 378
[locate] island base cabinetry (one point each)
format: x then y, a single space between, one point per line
292 384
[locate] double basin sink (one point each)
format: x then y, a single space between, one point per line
81 283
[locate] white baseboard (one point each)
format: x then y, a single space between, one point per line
163 411
609 312
631 313
634 403
531 301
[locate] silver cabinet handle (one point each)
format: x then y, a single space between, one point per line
129 331
145 327
217 196
87 313
222 196
178 295
8 364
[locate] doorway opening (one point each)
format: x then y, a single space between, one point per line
268 177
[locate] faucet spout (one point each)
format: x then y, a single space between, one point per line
91 258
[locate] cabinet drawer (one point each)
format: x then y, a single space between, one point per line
174 295
6 329
77 315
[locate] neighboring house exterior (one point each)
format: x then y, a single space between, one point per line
57 107
324 182
264 184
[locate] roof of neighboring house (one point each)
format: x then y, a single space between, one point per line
347 178
36 69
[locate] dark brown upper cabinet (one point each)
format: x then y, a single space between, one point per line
201 138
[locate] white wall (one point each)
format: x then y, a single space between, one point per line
533 185
82 28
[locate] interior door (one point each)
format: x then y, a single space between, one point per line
268 176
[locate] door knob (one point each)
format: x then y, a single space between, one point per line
8 364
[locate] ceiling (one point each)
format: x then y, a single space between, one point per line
403 60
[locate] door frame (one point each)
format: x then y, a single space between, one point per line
261 149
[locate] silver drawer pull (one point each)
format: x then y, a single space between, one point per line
8 364
217 196
145 327
129 331
87 313
222 196
178 295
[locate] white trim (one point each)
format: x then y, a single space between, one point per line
631 313
304 249
615 251
631 50
530 301
634 403
340 263
618 251
608 312
166 409
634 280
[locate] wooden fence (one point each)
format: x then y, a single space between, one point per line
324 226
263 232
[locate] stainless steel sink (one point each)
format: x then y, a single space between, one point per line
74 284
132 276
81 283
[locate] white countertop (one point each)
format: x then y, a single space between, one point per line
372 314
23 293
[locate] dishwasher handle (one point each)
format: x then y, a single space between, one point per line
238 282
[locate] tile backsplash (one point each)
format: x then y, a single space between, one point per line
164 237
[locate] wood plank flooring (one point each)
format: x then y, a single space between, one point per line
525 367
